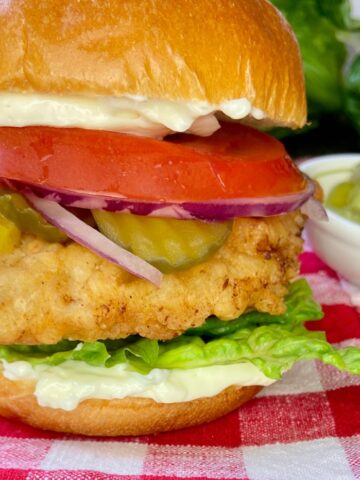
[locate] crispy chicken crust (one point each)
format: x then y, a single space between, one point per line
50 292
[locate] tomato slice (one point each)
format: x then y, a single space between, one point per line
236 162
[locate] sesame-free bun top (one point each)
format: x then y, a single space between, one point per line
188 50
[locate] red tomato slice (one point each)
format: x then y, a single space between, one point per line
235 162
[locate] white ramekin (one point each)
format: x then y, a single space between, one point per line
337 242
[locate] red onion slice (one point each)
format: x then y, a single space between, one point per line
92 239
314 210
216 210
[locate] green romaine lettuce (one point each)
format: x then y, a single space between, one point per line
327 36
300 307
352 88
272 343
323 54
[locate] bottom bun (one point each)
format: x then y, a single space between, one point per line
128 416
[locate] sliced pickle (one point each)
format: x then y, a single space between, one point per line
168 244
14 207
9 235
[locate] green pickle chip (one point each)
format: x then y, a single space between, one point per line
168 244
15 208
9 235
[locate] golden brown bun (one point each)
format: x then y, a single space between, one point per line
135 416
211 50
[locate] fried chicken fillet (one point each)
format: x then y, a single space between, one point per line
93 299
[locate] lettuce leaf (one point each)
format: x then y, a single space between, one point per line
327 34
323 54
272 343
300 307
352 88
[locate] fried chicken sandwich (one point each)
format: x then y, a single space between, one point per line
149 230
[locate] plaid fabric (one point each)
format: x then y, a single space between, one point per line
305 427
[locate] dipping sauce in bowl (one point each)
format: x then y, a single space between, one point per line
337 242
344 198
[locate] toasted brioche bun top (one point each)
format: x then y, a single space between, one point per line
193 50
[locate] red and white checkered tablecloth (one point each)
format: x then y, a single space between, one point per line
306 427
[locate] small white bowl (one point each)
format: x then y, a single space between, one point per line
337 242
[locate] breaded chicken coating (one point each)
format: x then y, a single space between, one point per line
50 292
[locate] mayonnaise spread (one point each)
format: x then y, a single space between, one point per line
66 385
135 115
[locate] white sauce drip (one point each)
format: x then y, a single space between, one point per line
66 385
135 115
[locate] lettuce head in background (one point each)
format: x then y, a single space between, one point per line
329 39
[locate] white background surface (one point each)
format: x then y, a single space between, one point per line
356 8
